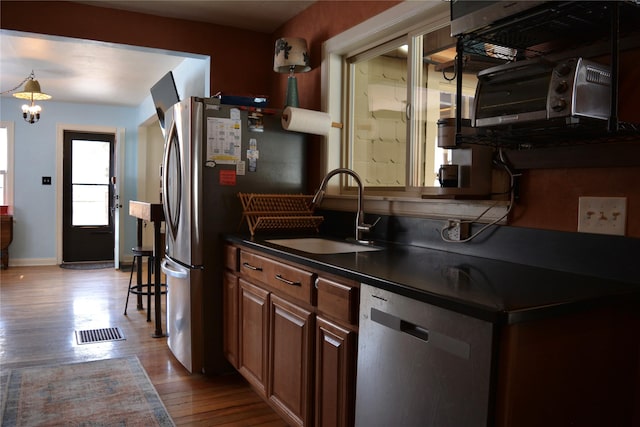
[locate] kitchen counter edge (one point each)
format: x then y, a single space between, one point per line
494 314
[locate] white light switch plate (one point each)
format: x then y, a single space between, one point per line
602 215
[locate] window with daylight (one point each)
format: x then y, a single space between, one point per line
6 163
90 182
398 91
389 80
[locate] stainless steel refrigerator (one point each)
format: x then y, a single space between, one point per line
212 152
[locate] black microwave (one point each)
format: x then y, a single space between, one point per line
469 15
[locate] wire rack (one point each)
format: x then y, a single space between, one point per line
277 212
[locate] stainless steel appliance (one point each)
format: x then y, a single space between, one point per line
212 152
543 94
420 365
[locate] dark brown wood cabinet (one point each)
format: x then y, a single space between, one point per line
290 360
253 340
230 292
575 369
292 333
336 348
6 237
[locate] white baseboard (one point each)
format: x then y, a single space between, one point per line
31 262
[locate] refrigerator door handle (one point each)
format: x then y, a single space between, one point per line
178 273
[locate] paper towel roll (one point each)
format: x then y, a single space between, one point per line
307 121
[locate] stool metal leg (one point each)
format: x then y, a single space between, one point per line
133 266
149 266
129 290
140 288
139 280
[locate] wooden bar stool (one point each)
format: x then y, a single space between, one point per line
140 289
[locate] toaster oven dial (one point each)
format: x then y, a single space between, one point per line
563 69
562 87
558 104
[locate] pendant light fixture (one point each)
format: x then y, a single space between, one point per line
32 93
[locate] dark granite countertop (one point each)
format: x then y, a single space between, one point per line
496 291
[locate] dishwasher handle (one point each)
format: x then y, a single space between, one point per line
414 330
452 345
400 325
173 270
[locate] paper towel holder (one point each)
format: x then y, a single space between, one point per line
307 121
333 124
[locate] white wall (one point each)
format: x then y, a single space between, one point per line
35 239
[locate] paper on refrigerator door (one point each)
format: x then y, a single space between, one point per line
224 140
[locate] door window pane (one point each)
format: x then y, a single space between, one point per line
90 162
90 205
90 183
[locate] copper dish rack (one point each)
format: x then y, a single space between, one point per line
278 212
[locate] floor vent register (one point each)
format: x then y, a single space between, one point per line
91 336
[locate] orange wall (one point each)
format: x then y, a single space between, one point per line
549 197
250 73
317 23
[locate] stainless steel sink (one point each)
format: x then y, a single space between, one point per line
315 245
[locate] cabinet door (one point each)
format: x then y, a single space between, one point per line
290 361
230 317
338 300
253 342
335 374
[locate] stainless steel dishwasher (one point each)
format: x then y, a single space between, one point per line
420 365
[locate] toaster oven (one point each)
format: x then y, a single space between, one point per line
542 93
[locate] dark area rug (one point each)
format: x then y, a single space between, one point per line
87 265
112 392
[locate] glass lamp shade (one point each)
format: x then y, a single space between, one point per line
32 109
31 113
291 56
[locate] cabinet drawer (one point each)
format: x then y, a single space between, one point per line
285 279
231 257
338 300
253 266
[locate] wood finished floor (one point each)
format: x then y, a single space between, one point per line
42 307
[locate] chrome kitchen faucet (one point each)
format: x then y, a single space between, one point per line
360 224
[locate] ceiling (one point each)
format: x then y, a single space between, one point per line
81 71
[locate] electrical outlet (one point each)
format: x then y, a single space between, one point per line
457 230
602 215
